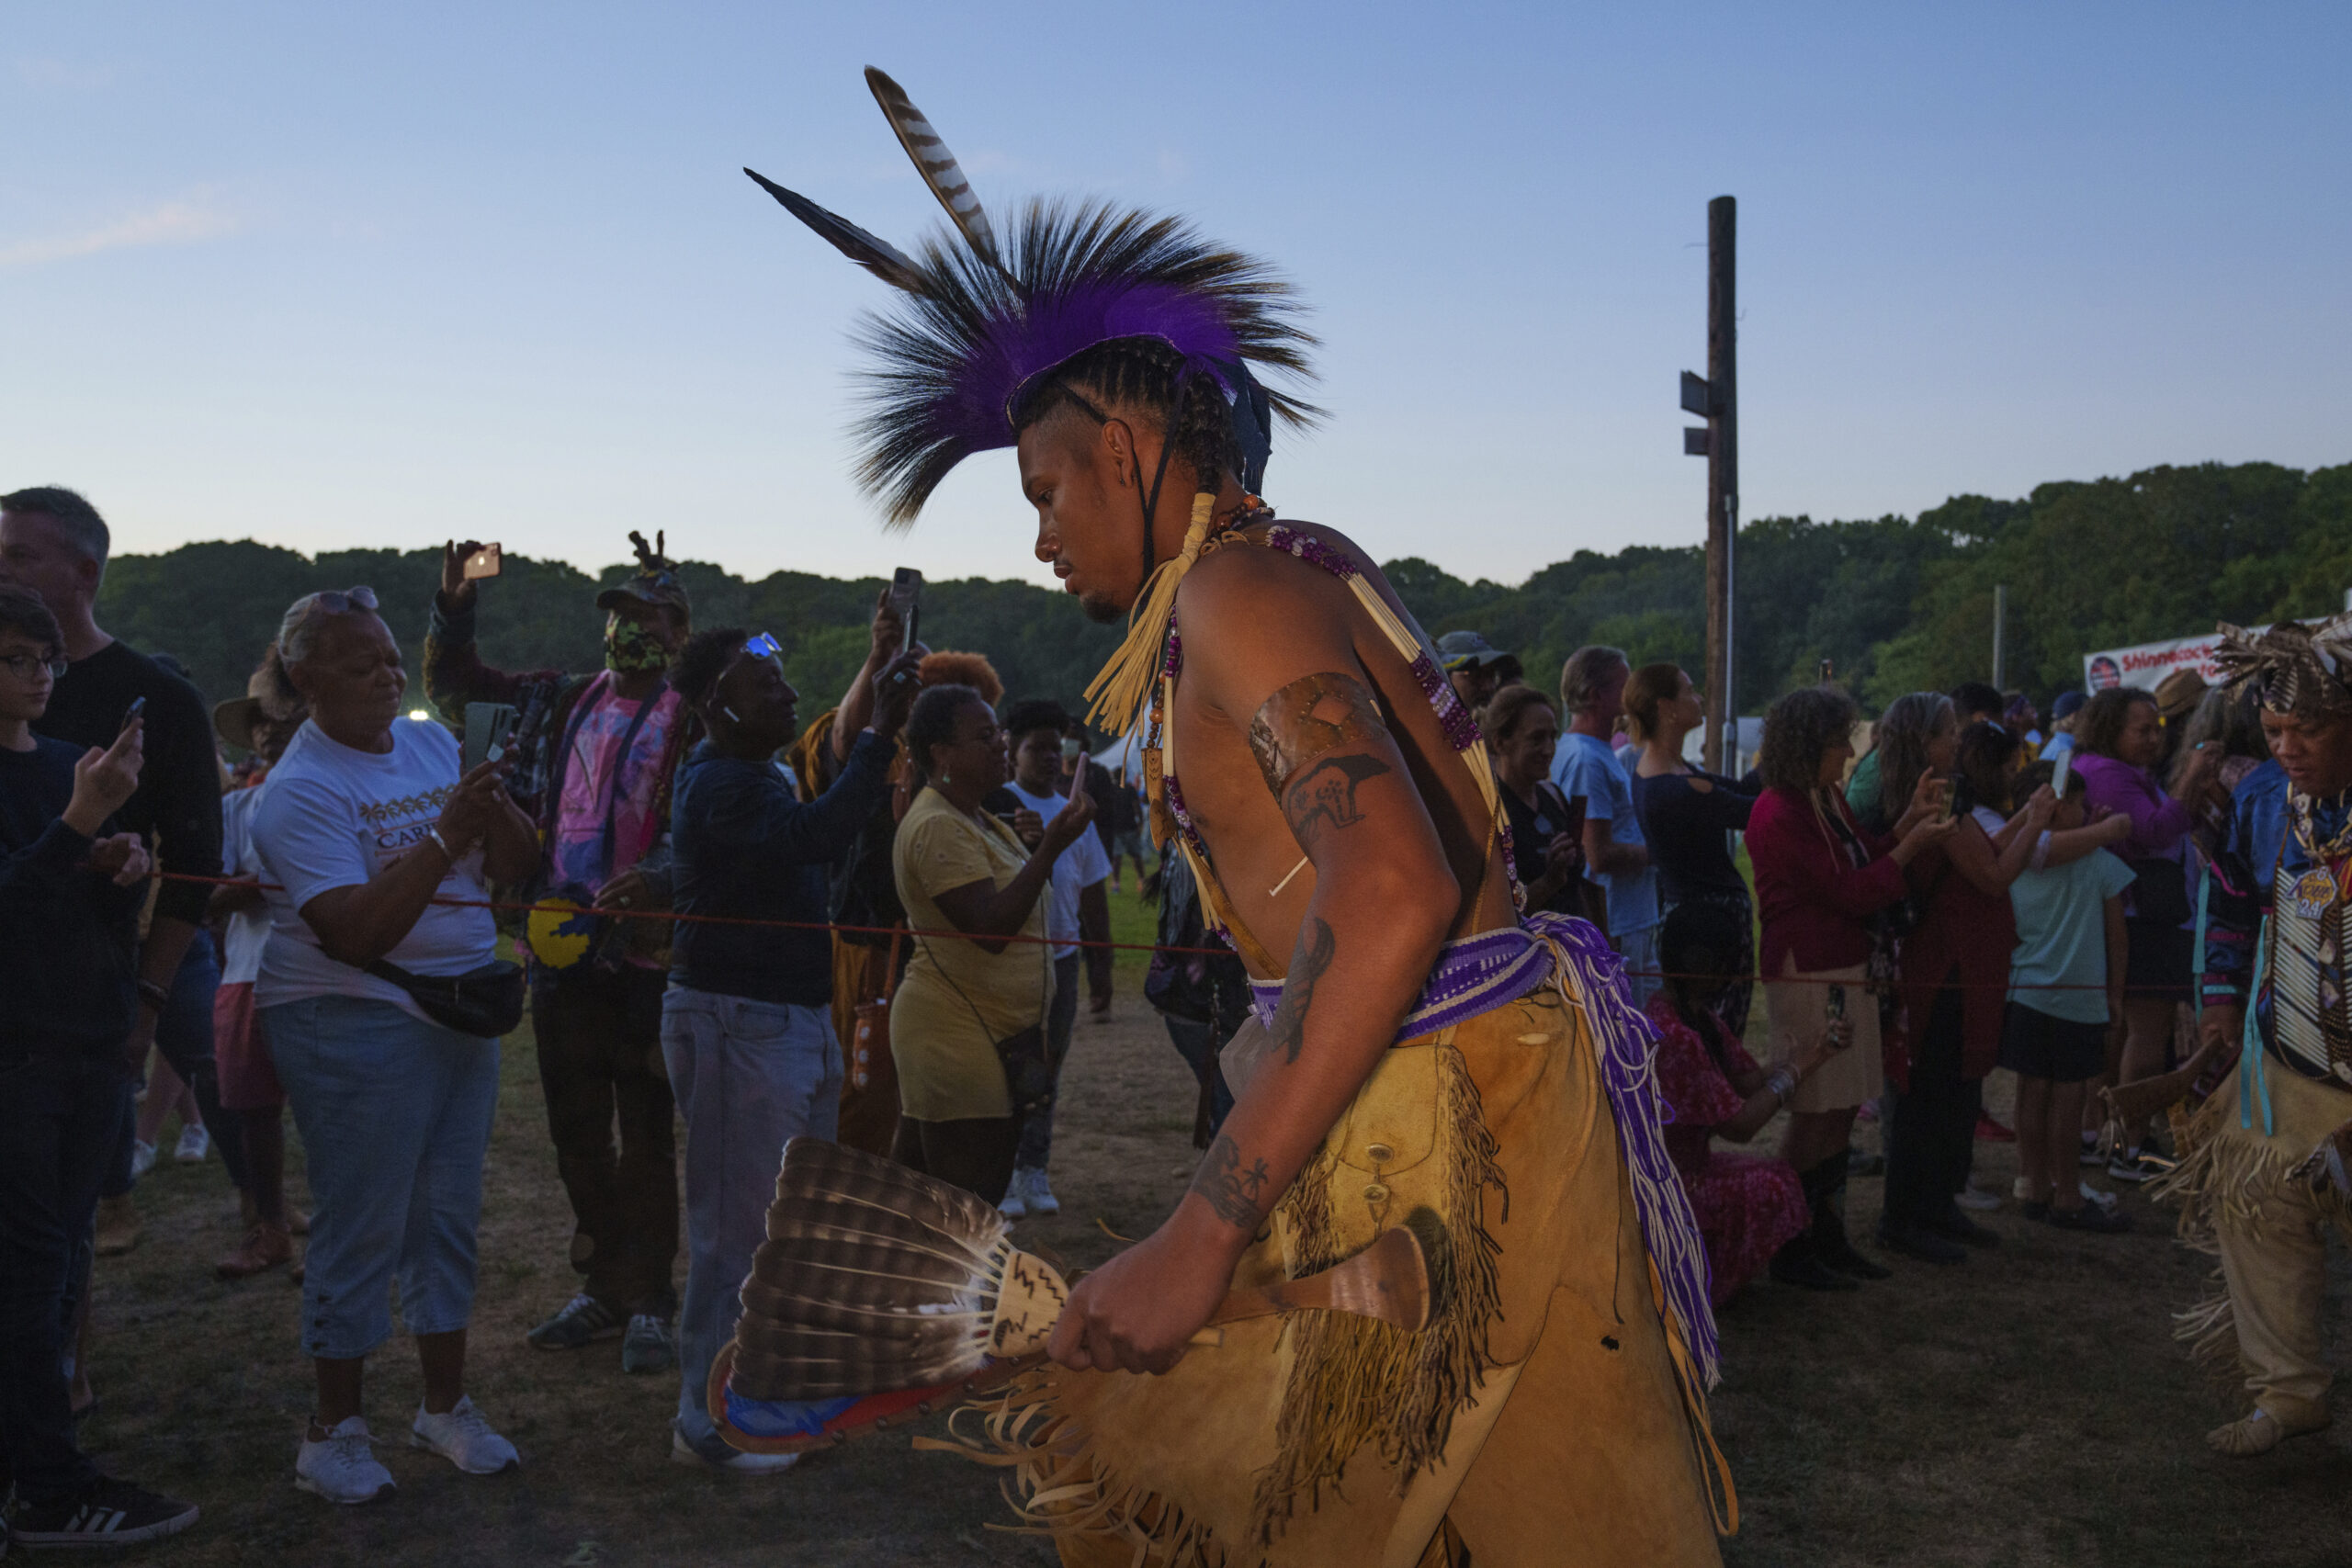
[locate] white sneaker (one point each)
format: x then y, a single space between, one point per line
2105 1200
342 1469
195 1144
142 1158
464 1439
1015 1202
1976 1198
1037 1193
684 1453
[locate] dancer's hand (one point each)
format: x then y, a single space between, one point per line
1137 1312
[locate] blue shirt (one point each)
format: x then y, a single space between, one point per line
1585 766
2061 936
745 845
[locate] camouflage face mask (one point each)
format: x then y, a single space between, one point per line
631 648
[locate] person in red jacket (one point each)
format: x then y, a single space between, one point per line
1821 880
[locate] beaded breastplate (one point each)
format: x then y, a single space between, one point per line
2311 1012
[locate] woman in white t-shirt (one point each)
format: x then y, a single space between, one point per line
362 824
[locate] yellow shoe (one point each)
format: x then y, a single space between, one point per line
117 1225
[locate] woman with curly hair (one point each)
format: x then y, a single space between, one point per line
1820 879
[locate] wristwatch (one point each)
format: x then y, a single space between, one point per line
448 855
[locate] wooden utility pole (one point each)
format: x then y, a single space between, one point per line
2000 625
1717 398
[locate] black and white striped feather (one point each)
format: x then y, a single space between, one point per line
874 1278
937 164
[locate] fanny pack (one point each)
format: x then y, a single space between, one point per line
485 1002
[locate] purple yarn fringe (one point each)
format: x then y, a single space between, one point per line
1626 1044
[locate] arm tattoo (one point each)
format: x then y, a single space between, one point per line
1313 714
1236 1194
1307 966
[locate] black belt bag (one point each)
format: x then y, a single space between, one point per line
486 1002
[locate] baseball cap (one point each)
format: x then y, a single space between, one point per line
655 581
2068 704
1468 650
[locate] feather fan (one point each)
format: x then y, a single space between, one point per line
875 1278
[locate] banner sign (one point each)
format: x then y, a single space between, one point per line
2147 664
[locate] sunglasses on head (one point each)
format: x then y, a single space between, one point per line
335 602
764 647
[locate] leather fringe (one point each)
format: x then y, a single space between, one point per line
1355 1380
1060 1486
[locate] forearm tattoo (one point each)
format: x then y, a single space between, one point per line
1294 736
1238 1196
1316 946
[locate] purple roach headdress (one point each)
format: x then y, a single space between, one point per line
981 329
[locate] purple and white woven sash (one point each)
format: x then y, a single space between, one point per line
1479 974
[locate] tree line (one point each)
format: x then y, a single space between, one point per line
1895 604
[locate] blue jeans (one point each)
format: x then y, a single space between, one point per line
1037 1144
749 1077
184 1036
59 1122
395 1115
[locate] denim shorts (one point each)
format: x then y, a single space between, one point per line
395 1116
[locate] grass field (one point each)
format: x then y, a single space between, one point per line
2026 1409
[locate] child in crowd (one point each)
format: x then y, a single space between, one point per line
2066 999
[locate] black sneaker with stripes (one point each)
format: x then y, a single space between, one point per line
109 1513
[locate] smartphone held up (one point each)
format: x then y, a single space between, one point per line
487 561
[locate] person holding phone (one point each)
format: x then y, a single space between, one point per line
1547 827
1821 881
747 1030
53 542
966 1005
376 851
595 755
70 885
1078 908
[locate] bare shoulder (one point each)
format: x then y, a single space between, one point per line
1253 617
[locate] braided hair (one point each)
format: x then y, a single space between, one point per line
1145 374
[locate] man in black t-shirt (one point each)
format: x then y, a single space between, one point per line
54 542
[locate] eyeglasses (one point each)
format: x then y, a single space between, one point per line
24 666
764 647
333 602
992 734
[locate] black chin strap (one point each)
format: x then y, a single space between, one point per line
1167 450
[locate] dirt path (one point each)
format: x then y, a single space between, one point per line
2028 1408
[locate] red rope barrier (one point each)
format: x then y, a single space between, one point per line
513 906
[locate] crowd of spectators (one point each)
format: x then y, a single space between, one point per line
876 925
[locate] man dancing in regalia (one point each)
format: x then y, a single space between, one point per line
2262 1173
1421 1055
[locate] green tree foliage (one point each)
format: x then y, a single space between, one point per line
1897 604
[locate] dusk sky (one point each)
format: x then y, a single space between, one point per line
327 278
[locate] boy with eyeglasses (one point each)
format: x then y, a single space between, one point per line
70 891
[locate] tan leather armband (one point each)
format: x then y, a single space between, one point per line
1313 714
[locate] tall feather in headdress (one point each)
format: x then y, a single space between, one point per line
980 327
